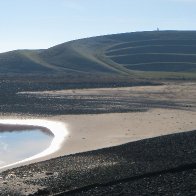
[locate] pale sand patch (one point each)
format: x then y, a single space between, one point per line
90 132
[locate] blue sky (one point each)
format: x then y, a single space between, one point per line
44 23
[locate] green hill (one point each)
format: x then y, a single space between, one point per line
156 54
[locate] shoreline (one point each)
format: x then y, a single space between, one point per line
58 129
92 132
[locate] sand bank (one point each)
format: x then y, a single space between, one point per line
90 132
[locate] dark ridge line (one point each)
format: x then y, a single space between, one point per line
146 40
145 46
180 168
162 62
151 53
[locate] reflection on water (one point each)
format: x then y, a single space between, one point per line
18 145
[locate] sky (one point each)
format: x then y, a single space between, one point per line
39 24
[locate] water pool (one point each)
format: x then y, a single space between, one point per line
16 145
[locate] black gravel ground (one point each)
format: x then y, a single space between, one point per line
12 101
159 166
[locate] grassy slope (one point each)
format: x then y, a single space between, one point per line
166 54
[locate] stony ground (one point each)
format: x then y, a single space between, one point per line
159 166
58 101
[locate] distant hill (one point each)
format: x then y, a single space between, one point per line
154 54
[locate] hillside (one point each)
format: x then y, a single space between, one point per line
156 54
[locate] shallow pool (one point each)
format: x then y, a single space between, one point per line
18 145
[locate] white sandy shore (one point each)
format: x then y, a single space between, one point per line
90 132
